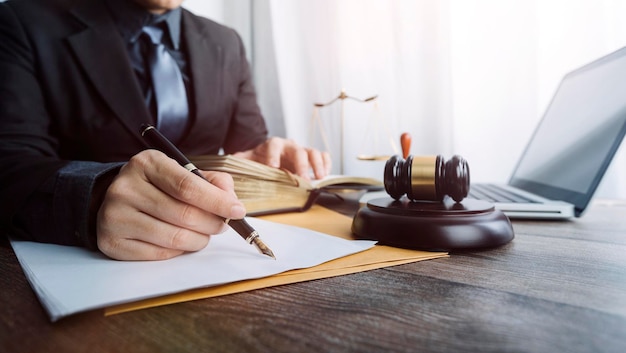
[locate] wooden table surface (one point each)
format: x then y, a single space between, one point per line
557 287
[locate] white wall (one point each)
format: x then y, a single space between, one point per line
505 59
232 13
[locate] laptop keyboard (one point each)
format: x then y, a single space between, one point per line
495 193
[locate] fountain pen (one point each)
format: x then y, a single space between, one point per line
161 143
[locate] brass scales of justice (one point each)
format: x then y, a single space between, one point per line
374 125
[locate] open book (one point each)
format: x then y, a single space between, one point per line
264 189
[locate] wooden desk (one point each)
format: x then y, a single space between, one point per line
558 287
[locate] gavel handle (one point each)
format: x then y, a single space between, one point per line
405 142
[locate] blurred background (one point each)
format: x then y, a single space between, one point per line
468 77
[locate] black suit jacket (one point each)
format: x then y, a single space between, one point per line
68 94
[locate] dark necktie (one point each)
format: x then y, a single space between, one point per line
168 87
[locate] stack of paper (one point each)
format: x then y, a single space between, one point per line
69 280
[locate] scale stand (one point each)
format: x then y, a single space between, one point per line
316 121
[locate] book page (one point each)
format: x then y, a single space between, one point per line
248 169
331 180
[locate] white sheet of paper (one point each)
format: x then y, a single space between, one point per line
69 280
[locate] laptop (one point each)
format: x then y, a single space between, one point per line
571 148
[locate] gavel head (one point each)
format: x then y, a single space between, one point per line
427 178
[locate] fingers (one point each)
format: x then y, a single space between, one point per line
328 163
271 152
155 209
284 153
303 160
320 162
167 206
221 180
299 160
145 238
177 182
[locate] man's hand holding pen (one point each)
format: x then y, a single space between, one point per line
160 205
156 210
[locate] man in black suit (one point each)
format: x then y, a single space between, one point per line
74 90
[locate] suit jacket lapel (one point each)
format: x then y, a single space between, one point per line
109 70
205 60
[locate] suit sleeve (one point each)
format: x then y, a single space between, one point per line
42 197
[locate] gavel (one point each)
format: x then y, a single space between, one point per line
426 178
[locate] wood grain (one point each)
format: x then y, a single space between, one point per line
558 287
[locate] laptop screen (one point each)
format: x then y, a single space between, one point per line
579 134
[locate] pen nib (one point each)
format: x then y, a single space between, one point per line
260 245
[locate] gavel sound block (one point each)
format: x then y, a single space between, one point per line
422 212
